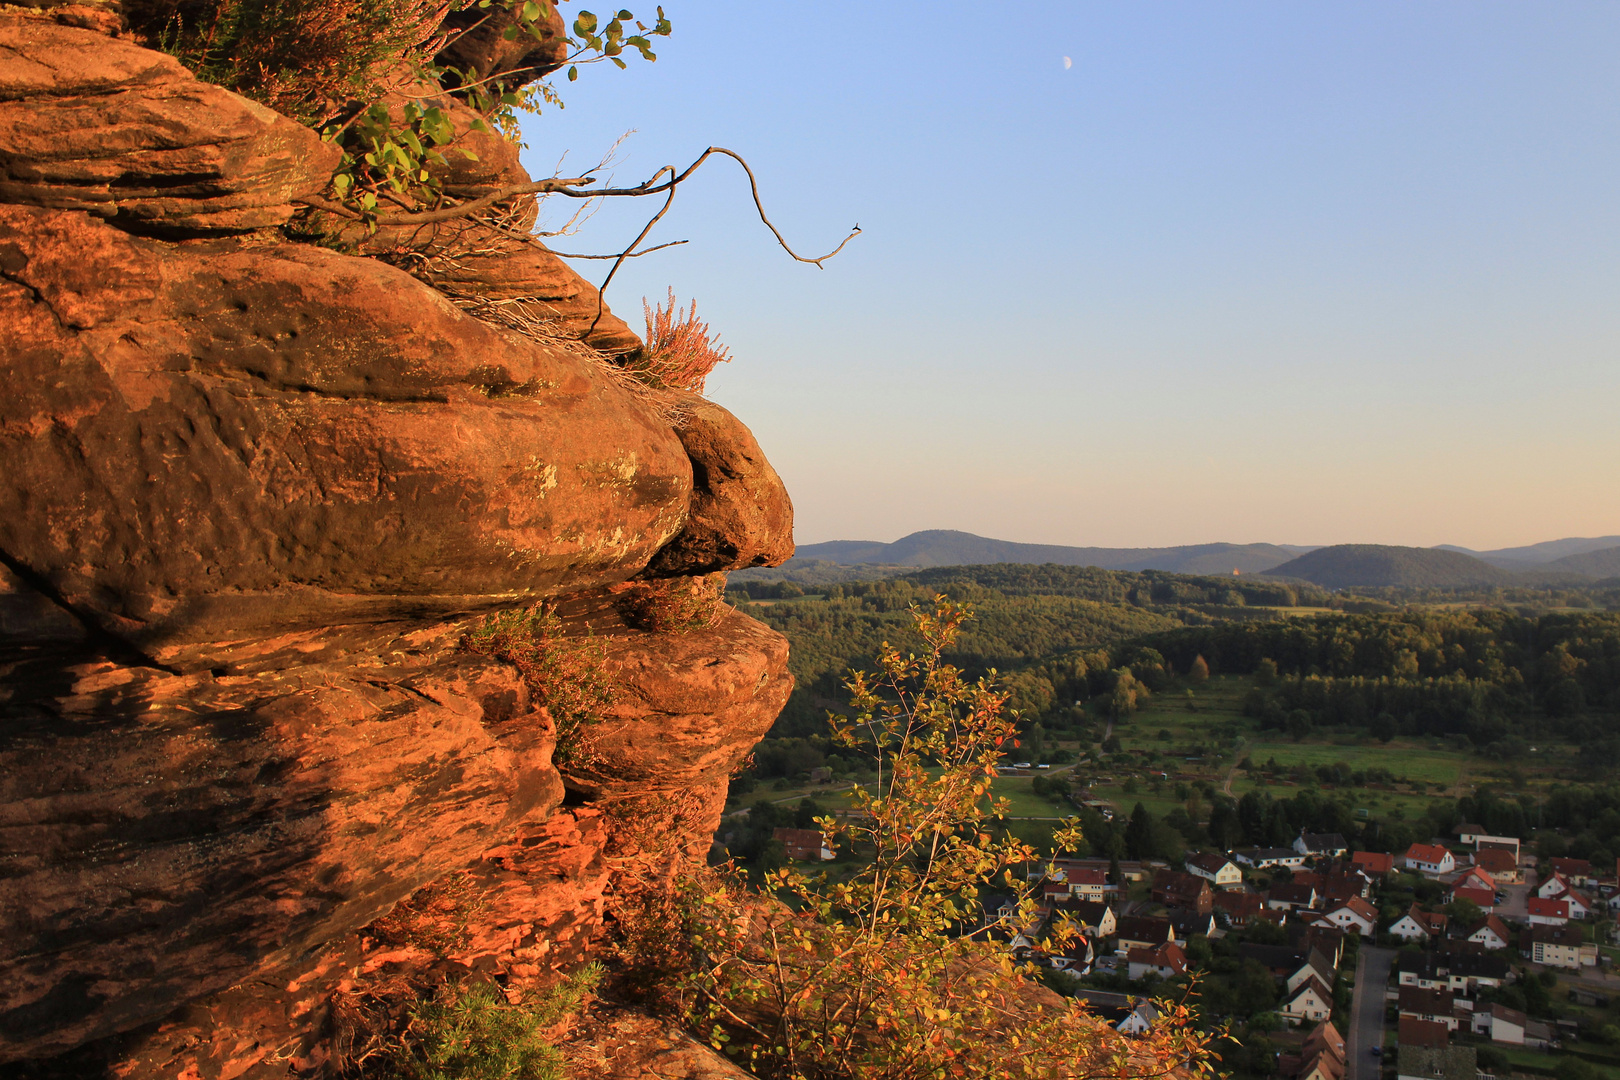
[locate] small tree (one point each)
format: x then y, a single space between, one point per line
1199 672
892 974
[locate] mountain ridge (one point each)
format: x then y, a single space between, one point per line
951 547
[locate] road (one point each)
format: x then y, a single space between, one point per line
1367 1011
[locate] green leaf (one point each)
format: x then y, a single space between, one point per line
573 73
510 33
531 11
585 24
621 63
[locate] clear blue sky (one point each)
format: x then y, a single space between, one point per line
1302 273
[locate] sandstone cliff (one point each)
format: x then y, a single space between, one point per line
254 491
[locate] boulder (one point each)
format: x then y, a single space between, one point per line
102 125
741 515
225 439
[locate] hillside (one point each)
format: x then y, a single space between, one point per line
946 547
1345 566
1549 553
1596 564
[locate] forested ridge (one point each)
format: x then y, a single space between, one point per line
1077 645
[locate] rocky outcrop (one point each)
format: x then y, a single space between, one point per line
255 792
101 125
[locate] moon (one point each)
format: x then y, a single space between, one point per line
1067 63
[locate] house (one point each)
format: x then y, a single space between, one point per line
1484 899
1547 912
1217 869
1316 845
1418 925
1139 1020
1239 907
1483 842
1429 859
1088 885
1558 946
1305 937
1503 866
1460 973
1316 966
1433 1005
1491 932
1374 864
1502 1024
1354 915
1310 1001
1259 858
1413 1032
1555 884
1166 960
1095 920
803 844
1575 871
1321 1055
1188 924
1427 1063
1286 896
1142 932
1580 904
1281 960
1076 958
1175 889
1467 832
1474 877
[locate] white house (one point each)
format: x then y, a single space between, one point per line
1354 915
1429 859
1138 1020
1217 870
1418 925
1491 933
1258 858
1547 912
1552 886
1502 1024
1311 1001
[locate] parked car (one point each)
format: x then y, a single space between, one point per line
1378 1051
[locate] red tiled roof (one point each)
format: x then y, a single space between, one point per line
1426 853
1375 862
1495 861
1535 905
1480 897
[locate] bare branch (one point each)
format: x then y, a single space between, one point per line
622 255
571 188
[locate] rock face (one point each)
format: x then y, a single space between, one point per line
254 493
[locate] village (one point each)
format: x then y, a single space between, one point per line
1462 958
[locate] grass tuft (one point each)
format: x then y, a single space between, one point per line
568 676
681 350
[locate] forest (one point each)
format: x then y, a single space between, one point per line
1077 646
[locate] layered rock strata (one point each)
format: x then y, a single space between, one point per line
254 492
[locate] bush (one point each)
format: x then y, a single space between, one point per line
871 975
567 675
472 1032
300 57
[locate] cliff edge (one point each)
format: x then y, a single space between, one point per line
261 476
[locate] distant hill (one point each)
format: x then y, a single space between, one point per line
1344 566
1545 554
1604 563
944 547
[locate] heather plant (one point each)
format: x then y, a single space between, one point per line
680 348
567 674
673 605
892 974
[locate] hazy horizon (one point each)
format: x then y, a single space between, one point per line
1242 270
